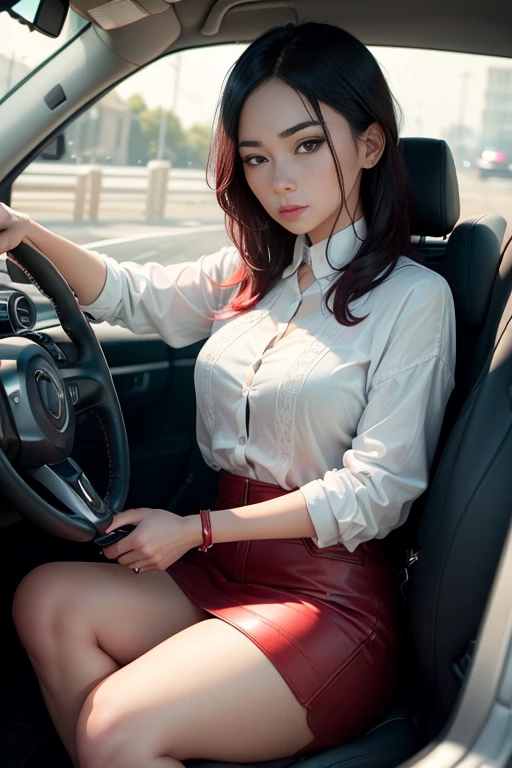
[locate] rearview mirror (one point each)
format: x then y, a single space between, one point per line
47 16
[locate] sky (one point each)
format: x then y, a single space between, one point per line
435 89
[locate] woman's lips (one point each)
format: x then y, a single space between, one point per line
292 212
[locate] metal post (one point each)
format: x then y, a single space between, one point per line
164 117
162 133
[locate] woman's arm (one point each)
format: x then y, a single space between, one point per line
177 301
84 271
285 517
384 470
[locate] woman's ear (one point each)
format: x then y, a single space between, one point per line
371 146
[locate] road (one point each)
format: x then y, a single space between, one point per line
170 246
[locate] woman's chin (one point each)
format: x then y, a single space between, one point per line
298 226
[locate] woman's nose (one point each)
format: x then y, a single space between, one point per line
282 182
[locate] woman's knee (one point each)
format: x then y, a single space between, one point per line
42 605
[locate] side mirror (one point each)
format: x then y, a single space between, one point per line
47 16
55 150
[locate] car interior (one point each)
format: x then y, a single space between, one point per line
132 429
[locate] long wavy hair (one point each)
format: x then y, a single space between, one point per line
322 63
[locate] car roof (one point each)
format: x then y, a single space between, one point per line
456 25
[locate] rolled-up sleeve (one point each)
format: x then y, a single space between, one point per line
388 464
177 301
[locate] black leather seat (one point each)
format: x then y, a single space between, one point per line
466 510
468 258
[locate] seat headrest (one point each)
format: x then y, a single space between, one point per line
434 180
471 263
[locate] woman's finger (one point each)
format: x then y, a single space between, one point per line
142 565
131 559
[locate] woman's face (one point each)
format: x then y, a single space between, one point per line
288 164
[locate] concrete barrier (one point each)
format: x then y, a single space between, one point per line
85 188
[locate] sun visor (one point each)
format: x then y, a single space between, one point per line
120 13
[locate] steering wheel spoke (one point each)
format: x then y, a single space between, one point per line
70 485
85 390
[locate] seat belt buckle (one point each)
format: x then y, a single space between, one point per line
411 558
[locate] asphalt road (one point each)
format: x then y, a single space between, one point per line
165 247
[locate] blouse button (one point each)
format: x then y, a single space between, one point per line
242 441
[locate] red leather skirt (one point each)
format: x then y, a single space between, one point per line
326 618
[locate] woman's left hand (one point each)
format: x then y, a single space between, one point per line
160 538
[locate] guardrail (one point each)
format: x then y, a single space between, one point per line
87 185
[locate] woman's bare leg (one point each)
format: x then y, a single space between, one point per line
207 692
80 622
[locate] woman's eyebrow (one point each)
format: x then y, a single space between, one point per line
284 134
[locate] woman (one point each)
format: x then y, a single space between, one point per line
321 390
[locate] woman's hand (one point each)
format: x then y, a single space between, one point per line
13 227
159 539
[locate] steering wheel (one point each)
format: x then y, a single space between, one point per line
39 401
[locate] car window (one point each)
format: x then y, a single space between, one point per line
133 184
23 50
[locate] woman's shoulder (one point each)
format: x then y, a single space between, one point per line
412 282
413 296
415 319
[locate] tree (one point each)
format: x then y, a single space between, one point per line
184 149
136 103
197 142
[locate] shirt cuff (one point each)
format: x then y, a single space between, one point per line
325 524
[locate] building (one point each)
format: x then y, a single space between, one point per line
101 134
497 114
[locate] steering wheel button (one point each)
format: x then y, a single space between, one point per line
73 393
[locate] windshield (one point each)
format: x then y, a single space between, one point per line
132 182
23 50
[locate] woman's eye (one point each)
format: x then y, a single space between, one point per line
254 160
306 147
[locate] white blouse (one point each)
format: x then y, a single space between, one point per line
350 415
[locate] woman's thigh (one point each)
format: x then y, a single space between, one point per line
207 692
127 614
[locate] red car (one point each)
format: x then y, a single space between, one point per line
494 161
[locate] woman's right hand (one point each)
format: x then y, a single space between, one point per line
13 227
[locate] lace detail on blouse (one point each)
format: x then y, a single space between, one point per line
291 386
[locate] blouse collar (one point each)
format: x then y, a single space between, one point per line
343 247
